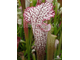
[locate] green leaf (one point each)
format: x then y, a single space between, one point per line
59 47
59 29
25 53
50 45
55 18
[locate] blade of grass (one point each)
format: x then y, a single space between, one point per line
18 29
43 0
26 30
34 56
30 36
19 2
21 29
23 5
34 2
25 53
28 46
59 47
55 18
59 29
31 4
21 33
29 41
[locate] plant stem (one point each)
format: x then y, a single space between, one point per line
31 4
43 1
59 47
29 42
55 18
19 2
23 5
27 33
59 29
34 56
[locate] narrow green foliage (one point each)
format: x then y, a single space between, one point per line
50 45
34 56
55 18
59 47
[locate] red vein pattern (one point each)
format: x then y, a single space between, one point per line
36 17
